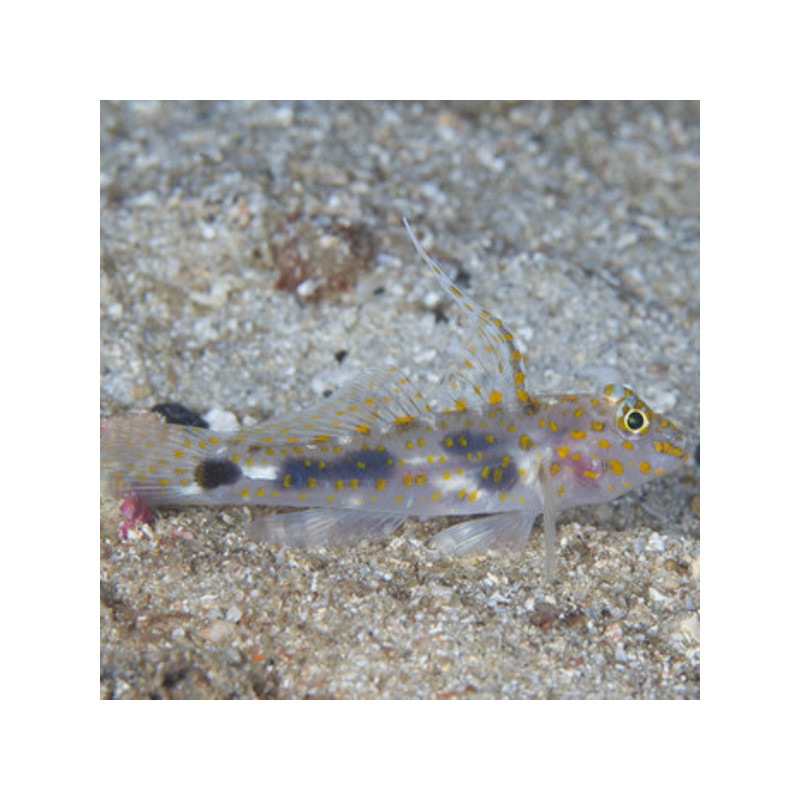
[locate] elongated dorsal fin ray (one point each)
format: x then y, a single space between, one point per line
491 370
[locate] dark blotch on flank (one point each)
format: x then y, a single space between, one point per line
466 441
377 464
362 465
499 478
216 472
299 470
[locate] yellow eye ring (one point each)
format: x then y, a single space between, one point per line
633 417
635 420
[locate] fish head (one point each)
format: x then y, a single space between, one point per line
612 443
642 444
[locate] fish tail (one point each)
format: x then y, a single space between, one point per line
142 454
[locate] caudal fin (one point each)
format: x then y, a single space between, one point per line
141 453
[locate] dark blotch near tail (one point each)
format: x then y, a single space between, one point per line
176 414
216 472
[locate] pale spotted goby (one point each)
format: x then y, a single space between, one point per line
359 464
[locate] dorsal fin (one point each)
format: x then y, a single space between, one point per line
492 369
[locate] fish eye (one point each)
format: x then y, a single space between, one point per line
634 420
633 416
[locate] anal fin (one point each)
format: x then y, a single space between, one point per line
316 527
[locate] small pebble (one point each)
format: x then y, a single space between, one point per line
220 420
690 627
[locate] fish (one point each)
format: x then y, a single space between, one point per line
481 447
